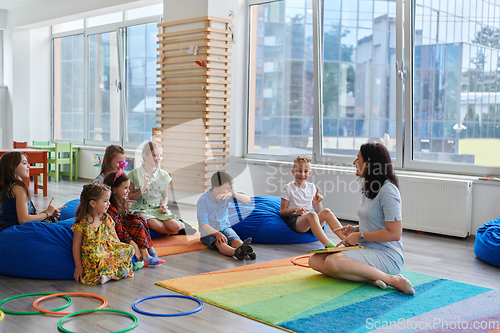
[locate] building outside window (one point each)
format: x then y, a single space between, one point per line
455 117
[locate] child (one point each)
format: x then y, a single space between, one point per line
300 201
16 206
212 210
113 160
99 255
149 186
130 228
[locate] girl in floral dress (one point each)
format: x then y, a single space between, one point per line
99 256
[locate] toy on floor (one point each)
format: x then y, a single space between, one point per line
134 306
35 303
131 327
305 256
35 312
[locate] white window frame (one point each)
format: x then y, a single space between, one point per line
118 28
317 155
404 130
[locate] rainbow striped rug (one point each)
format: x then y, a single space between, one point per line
299 299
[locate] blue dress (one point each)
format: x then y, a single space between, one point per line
8 212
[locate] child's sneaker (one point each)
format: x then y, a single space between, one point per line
244 249
137 265
151 262
247 249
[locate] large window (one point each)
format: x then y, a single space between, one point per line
103 88
140 80
456 106
359 82
104 79
281 79
326 76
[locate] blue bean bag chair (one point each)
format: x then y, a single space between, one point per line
38 250
70 210
487 244
261 220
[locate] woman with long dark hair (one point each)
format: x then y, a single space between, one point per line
379 230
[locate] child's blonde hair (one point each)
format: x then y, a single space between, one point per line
302 158
111 152
92 191
150 146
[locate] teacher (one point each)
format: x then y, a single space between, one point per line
379 230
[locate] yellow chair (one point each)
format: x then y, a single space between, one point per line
59 159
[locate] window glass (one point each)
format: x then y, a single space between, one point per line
104 121
105 19
359 92
68 26
140 80
68 88
144 12
281 85
456 84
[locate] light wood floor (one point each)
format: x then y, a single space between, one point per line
444 257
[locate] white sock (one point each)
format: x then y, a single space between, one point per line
104 279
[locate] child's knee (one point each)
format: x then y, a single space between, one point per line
326 211
312 216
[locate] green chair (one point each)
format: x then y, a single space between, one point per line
60 159
42 143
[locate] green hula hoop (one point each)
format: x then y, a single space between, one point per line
61 321
34 312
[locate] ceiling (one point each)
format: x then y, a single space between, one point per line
11 4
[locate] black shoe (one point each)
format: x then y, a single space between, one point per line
187 230
247 249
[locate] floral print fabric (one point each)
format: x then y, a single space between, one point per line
102 254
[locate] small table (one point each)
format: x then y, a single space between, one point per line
34 156
52 148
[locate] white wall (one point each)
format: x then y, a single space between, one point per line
20 87
40 98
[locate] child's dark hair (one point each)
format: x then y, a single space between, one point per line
111 152
92 191
379 168
114 183
8 164
220 178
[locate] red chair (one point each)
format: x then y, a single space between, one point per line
35 171
17 144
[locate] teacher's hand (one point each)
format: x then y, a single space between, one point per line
346 231
350 240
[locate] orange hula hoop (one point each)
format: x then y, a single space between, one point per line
35 303
294 261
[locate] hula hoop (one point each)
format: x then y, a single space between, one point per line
35 312
136 321
134 306
294 261
2 315
35 303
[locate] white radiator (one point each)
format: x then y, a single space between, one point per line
441 206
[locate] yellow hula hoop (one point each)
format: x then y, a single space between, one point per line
2 315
